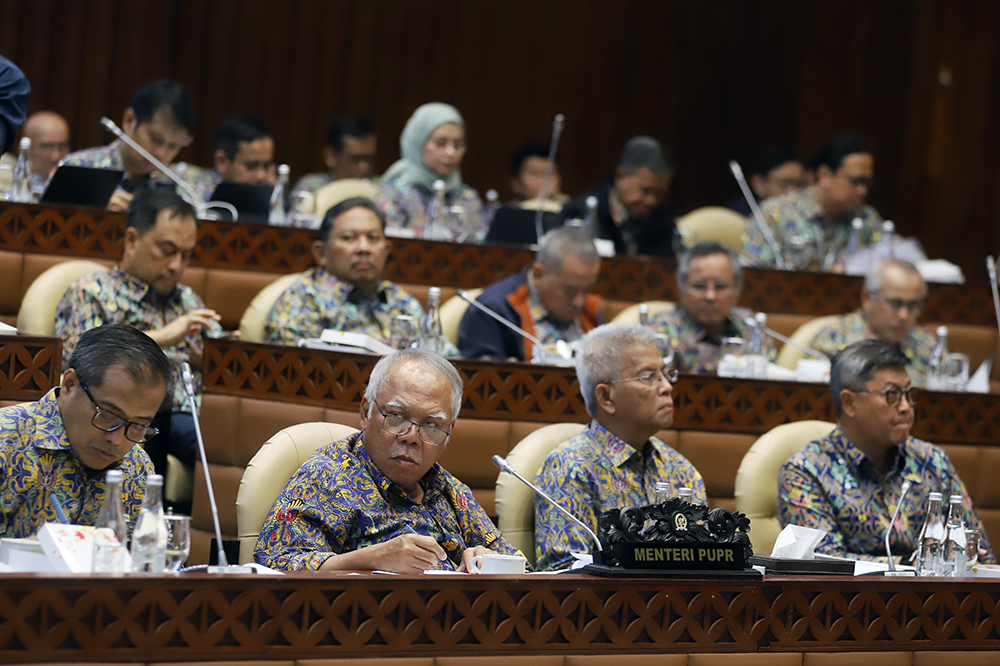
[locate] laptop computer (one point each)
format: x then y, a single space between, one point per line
516 226
82 186
252 202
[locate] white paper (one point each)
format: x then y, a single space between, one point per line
581 560
979 382
797 543
7 329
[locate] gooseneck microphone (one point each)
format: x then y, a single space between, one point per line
991 267
905 488
506 467
545 353
791 343
757 215
557 126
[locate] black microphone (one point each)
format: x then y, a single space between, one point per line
557 125
545 353
506 467
223 567
905 488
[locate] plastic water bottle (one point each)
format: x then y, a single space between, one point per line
112 532
757 349
591 203
855 242
955 553
932 537
662 489
430 327
887 243
686 494
21 190
937 374
490 209
149 538
434 230
278 216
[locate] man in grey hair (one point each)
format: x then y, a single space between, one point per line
630 208
616 461
709 280
850 482
551 300
378 499
891 301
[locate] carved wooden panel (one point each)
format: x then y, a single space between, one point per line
29 366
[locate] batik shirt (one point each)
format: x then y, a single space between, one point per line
119 298
917 345
592 473
831 485
547 329
803 235
313 181
339 501
696 351
202 181
41 480
103 157
405 204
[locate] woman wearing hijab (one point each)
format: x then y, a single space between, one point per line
432 146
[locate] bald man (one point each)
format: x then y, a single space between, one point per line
49 134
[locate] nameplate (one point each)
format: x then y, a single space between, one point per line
675 556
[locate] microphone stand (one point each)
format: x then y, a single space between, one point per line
991 267
223 567
557 125
788 341
757 215
545 353
905 488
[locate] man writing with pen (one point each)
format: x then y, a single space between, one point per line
379 499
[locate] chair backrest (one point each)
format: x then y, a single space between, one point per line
757 478
514 500
630 315
269 471
333 193
37 315
804 335
550 206
713 223
452 312
255 316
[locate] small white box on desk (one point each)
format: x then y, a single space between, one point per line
70 548
24 556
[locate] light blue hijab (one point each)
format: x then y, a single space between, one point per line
418 129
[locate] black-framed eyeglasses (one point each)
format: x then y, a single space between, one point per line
896 304
652 377
108 422
893 394
397 424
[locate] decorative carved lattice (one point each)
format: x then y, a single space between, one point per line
29 366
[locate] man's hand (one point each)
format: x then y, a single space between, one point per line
180 328
120 200
405 554
469 553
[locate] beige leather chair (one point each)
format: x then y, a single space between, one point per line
757 478
253 319
452 312
269 471
37 315
514 500
804 335
333 193
551 205
713 223
630 315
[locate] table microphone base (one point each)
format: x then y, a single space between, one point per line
230 569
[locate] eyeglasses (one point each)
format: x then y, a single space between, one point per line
108 422
652 377
860 181
897 304
702 286
893 394
397 424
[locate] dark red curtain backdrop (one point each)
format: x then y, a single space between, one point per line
714 80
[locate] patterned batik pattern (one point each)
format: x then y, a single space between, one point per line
801 233
312 182
119 298
694 350
41 480
202 181
917 345
831 485
102 157
339 502
405 205
547 329
594 472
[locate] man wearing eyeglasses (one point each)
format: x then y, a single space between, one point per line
812 226
709 280
160 118
891 300
53 451
379 499
849 483
617 460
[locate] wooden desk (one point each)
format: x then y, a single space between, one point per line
29 366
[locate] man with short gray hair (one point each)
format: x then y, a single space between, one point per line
379 499
616 461
850 482
630 208
551 300
891 300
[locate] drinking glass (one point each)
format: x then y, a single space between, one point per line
971 546
403 331
6 181
453 221
732 362
178 541
303 210
957 371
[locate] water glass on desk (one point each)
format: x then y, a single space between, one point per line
956 367
178 541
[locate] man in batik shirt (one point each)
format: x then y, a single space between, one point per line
891 300
345 291
379 499
812 226
709 279
350 151
52 451
144 291
616 462
244 153
160 118
551 300
849 483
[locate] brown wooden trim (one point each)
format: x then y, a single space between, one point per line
29 366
